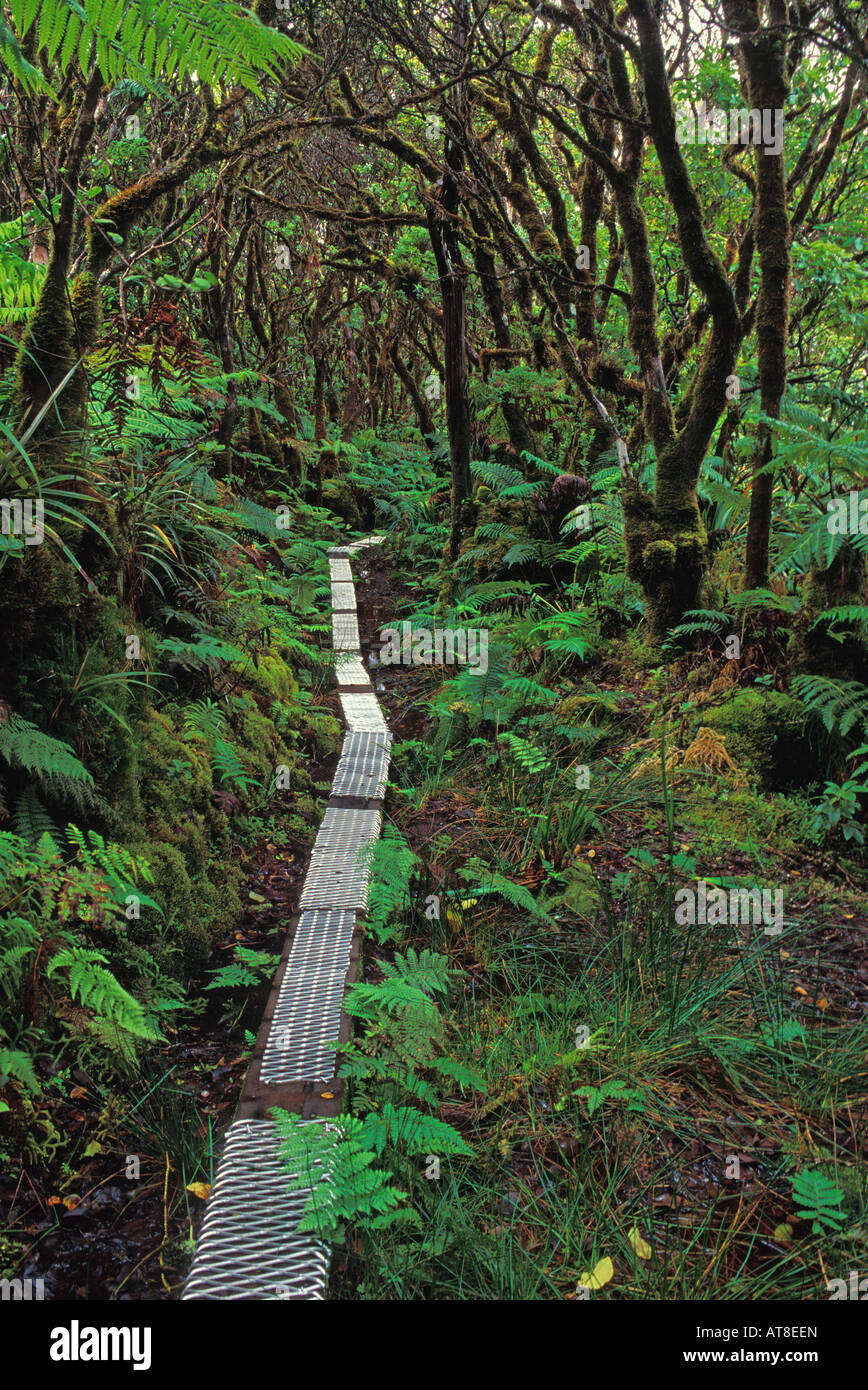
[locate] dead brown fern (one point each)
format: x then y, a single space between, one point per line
706 753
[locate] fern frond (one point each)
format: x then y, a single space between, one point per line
424 970
841 704
32 821
409 1129
332 1164
485 880
527 755
97 989
393 864
18 1066
228 766
51 762
148 40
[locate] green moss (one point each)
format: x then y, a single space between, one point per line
666 544
37 597
843 582
41 1139
184 837
325 732
273 677
45 355
770 735
103 723
585 707
198 907
175 769
738 817
340 497
658 557
581 893
262 744
635 654
86 309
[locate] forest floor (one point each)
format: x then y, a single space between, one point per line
722 1058
660 1143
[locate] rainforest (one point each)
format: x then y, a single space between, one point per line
434 661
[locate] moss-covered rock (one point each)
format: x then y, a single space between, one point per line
198 907
340 497
272 677
771 736
184 837
324 732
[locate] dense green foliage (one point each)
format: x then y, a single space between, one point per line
273 276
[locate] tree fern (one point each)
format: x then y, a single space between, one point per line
262 521
530 691
20 284
492 531
485 692
811 542
500 477
850 614
528 550
203 654
696 621
542 464
147 39
566 634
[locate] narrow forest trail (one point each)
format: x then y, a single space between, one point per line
249 1245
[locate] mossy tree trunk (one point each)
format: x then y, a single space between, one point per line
442 215
837 585
520 436
665 535
53 340
64 324
763 52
